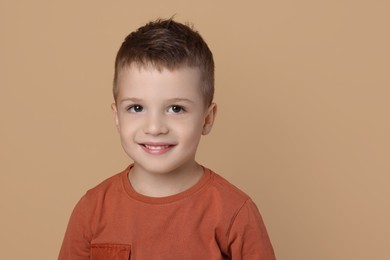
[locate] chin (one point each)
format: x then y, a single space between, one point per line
160 168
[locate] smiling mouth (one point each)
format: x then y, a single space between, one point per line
156 147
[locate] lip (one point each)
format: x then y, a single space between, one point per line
156 148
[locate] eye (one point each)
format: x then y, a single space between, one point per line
135 108
176 109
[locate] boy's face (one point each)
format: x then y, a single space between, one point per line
160 116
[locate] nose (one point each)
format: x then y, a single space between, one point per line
155 124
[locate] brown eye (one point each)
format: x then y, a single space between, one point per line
135 108
176 109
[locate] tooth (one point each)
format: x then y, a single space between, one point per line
159 147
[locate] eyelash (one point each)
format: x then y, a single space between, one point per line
138 108
134 108
181 108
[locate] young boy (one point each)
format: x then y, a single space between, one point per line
165 205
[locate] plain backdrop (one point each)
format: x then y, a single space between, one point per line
303 124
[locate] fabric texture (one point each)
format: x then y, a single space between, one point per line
212 220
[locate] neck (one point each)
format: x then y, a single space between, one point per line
164 184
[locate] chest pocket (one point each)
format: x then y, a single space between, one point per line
110 252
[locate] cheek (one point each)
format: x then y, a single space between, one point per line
191 132
126 129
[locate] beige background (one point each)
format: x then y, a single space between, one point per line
303 126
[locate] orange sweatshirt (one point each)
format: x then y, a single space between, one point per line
211 220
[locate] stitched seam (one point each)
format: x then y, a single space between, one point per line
232 222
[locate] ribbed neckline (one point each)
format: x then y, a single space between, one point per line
163 200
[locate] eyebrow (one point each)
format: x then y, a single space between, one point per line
171 100
180 100
135 100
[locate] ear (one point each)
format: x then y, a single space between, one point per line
209 119
115 115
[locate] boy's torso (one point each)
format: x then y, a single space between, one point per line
190 225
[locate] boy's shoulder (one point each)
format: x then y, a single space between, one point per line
226 189
112 184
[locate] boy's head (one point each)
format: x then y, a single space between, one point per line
163 90
166 44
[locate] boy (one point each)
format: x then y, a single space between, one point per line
165 205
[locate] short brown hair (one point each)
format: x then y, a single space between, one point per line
170 45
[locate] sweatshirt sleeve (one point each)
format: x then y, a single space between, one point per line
76 243
248 238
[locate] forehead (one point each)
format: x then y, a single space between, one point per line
142 80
